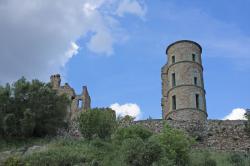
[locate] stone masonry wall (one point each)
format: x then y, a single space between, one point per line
75 107
217 135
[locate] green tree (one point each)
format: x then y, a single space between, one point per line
28 123
98 122
175 143
132 150
10 125
138 148
4 100
134 131
47 110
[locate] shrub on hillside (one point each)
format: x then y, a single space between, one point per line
175 143
202 158
134 131
28 123
134 152
97 122
139 146
134 146
10 125
236 159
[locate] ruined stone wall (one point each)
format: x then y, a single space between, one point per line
218 135
74 106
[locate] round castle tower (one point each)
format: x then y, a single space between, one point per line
183 94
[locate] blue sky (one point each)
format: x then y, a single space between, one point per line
118 48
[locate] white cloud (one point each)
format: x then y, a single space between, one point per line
131 7
73 50
39 37
127 109
236 114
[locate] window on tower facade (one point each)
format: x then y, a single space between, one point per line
173 80
195 80
194 57
197 101
174 102
173 59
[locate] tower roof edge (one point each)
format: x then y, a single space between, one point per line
181 41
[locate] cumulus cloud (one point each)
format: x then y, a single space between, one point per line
127 109
236 114
39 37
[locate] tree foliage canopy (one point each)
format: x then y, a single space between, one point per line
30 108
97 122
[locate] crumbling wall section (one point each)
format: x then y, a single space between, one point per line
74 107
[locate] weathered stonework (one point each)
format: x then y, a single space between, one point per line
220 135
75 106
182 78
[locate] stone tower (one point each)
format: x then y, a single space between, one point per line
183 94
55 81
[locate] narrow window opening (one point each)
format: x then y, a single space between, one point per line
173 79
195 80
80 104
194 57
174 102
197 101
173 59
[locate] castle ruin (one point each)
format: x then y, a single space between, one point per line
183 102
79 103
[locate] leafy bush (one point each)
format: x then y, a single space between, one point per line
10 125
236 159
139 146
133 150
98 122
175 143
210 162
13 161
202 158
137 152
31 109
134 131
28 123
